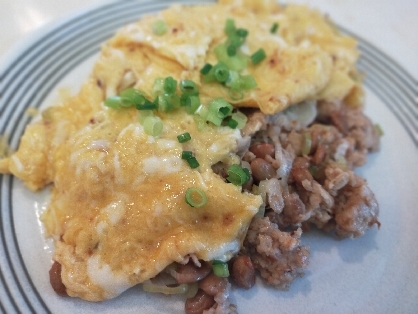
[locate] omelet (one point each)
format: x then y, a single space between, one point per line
117 211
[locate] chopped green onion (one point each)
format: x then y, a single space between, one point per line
220 268
206 68
258 56
153 125
186 154
241 32
221 72
158 87
182 138
170 85
193 163
230 28
189 87
274 28
220 107
192 103
235 94
231 50
237 62
159 27
146 106
200 122
148 286
130 97
307 143
195 197
232 124
143 114
238 175
379 129
167 102
247 82
113 102
202 111
240 118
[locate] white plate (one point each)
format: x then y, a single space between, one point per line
373 274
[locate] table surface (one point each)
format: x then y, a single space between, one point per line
389 25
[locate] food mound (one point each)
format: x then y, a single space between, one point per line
206 140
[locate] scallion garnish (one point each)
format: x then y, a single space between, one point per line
146 106
186 154
220 107
159 27
241 32
192 103
153 125
193 163
307 143
232 123
258 56
221 72
113 102
220 268
196 197
158 87
182 138
274 28
130 97
189 87
238 175
206 68
240 118
230 28
169 85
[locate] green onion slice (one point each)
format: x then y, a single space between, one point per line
220 268
189 87
152 125
196 197
274 28
307 143
158 87
232 124
159 27
221 72
130 97
238 175
113 102
186 154
240 118
182 138
206 68
192 102
220 107
258 56
230 28
169 85
193 163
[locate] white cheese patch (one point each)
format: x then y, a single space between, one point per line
102 275
162 164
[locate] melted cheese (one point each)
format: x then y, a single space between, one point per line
117 208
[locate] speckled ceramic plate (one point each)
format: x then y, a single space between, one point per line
373 274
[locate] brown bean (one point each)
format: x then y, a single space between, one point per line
199 303
319 155
301 174
55 279
300 162
190 272
213 284
262 170
243 272
260 150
